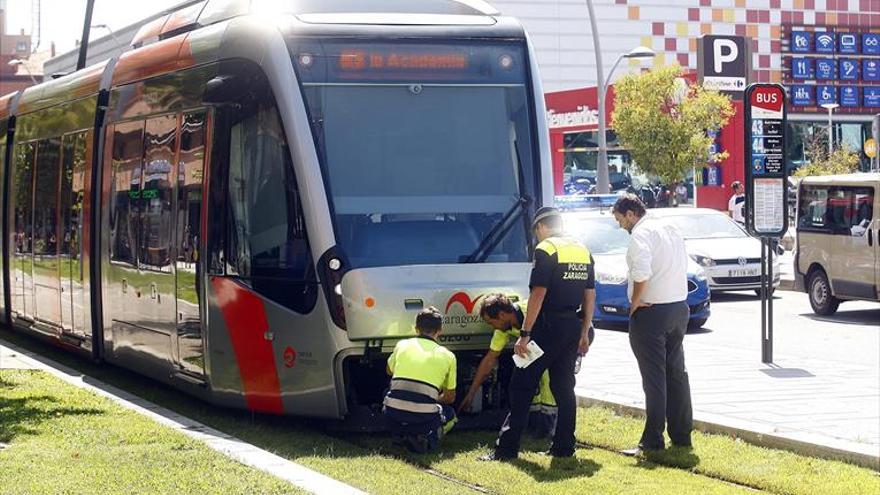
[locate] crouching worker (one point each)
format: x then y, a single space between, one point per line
506 319
417 407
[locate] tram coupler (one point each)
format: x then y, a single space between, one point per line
372 350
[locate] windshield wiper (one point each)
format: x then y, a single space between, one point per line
498 231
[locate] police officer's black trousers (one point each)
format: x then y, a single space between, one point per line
655 335
559 338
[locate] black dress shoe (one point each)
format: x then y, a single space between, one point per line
634 452
554 453
639 452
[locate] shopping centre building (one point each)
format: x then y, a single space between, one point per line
823 51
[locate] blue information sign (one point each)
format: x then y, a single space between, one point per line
848 43
872 96
825 43
802 96
871 70
826 69
801 41
801 68
849 69
871 44
826 94
849 96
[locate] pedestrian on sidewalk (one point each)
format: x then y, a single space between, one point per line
657 264
562 281
736 204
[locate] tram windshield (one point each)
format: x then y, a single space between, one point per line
424 147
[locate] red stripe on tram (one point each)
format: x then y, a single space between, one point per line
246 322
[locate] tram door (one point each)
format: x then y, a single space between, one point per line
154 281
72 269
189 354
47 289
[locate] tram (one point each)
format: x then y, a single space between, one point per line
253 203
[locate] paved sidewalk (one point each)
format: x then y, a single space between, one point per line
814 406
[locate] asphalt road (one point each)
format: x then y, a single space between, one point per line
852 334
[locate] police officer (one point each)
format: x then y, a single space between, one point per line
506 318
417 407
562 280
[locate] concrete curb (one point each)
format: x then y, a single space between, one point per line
243 452
864 455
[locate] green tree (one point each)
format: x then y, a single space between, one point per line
663 122
842 161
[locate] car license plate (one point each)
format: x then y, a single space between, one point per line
742 273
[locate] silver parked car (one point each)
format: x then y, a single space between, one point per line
728 254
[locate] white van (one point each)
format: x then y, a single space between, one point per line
837 257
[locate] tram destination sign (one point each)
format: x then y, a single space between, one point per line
766 173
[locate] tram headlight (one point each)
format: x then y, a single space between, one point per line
338 289
306 60
334 264
505 62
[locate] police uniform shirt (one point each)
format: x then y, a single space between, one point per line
565 267
424 360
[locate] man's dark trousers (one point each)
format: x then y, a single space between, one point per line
655 335
559 337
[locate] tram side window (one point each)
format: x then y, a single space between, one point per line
72 191
23 190
266 241
125 187
46 197
156 197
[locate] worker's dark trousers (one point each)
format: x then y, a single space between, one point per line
655 335
559 337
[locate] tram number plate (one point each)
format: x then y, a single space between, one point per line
742 273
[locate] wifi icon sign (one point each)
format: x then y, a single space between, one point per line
825 43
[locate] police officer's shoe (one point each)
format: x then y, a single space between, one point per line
494 456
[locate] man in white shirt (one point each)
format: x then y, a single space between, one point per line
737 203
659 313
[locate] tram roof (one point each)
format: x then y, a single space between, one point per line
158 46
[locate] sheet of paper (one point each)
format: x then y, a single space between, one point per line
533 352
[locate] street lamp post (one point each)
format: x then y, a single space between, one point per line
830 107
21 64
602 182
115 39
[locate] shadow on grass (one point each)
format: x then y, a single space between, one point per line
560 468
23 416
675 457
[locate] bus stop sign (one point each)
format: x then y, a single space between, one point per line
766 173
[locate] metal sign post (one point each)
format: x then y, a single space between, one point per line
766 188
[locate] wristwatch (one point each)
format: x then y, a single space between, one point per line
525 333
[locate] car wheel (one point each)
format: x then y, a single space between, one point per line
823 302
697 323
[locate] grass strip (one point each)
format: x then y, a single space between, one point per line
716 465
734 460
62 439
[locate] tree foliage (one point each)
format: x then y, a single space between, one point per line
843 160
663 122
